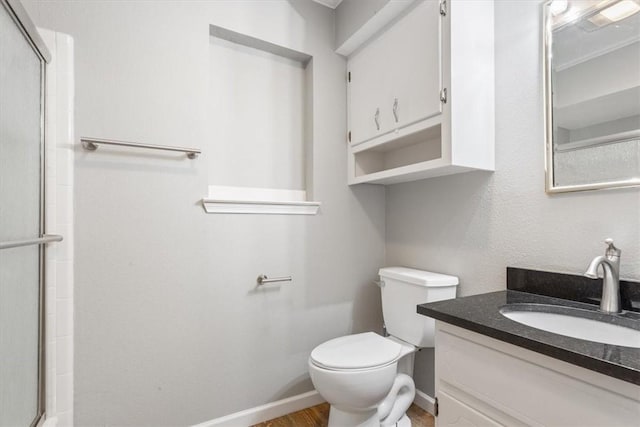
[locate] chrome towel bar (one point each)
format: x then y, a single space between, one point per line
47 238
263 279
91 144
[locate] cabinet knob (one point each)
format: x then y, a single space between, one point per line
376 118
395 109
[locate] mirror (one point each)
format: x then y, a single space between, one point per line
592 94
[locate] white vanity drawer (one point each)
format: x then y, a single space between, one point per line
455 413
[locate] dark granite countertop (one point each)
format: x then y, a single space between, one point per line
480 313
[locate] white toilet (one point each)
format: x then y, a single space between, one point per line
366 377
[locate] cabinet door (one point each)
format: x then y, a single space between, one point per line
518 387
402 63
453 412
366 93
414 66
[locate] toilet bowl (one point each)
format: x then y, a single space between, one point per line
366 378
358 376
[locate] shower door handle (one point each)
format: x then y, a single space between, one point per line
46 238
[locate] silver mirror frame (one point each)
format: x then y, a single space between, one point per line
550 187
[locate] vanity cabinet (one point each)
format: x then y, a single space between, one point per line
421 95
481 381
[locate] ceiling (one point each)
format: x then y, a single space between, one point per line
572 44
329 3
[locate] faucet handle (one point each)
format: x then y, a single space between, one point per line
611 251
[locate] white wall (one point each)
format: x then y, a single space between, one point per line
258 101
353 14
475 225
170 329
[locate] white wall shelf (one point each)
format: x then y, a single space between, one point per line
248 200
414 172
260 207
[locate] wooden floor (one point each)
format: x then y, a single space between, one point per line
318 416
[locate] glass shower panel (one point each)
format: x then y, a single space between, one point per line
20 218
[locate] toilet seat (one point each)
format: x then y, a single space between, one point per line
356 352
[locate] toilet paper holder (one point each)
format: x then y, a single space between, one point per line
263 279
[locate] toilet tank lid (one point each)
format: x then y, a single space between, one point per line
418 277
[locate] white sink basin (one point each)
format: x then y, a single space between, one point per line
576 323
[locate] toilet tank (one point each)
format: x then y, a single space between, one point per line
402 290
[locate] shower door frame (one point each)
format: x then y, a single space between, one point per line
21 18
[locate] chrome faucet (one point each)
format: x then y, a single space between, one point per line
610 302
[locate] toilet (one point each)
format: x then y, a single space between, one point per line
367 378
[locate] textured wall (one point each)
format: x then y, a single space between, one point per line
610 162
474 225
170 329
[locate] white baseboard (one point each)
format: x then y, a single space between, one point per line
286 406
425 402
266 412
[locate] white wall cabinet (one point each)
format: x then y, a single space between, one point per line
420 95
481 381
391 82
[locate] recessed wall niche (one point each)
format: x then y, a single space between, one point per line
260 122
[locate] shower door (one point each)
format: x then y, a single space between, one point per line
22 59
